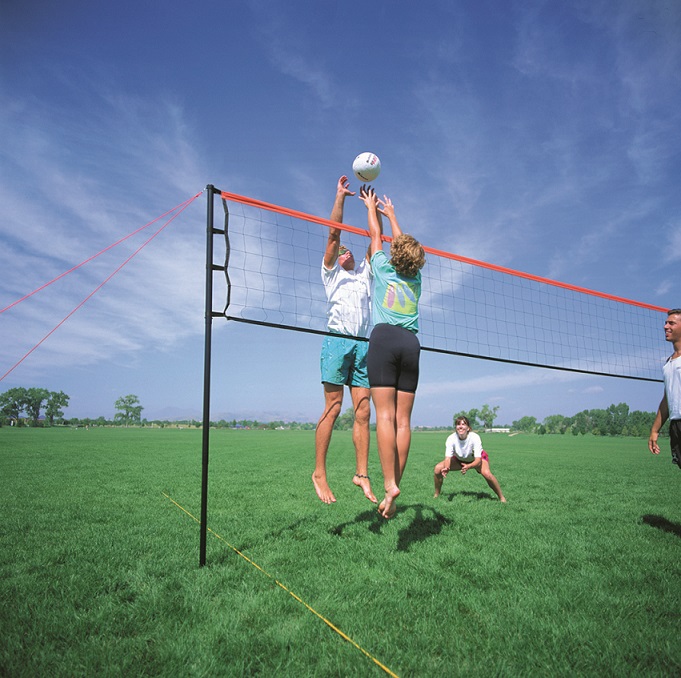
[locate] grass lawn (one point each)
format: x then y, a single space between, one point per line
578 575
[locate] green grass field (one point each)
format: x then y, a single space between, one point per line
578 575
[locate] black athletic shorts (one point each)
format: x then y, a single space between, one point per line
393 358
674 439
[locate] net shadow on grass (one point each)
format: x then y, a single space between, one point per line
661 523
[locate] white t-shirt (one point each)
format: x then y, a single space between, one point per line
672 386
349 296
465 450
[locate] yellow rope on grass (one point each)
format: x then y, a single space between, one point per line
280 585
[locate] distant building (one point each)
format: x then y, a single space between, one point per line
497 430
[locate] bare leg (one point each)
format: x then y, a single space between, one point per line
492 481
333 401
441 472
404 406
438 478
360 438
385 403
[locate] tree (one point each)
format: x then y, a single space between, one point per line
525 424
55 402
555 423
617 415
488 415
600 422
471 415
33 402
581 423
12 403
345 421
129 410
639 423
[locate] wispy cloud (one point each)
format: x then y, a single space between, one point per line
672 251
503 383
284 40
56 213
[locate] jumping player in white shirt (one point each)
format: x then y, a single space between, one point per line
344 358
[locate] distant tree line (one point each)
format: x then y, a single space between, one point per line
616 420
40 407
23 406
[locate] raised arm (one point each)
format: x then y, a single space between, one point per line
333 241
387 208
368 196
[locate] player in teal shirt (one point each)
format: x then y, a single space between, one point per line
394 350
396 297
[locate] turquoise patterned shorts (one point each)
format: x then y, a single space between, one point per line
344 362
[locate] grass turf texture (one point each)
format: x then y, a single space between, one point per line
579 574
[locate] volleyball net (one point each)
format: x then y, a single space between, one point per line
272 263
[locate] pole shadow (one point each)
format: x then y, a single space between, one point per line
662 523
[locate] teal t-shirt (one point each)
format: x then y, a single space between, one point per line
395 297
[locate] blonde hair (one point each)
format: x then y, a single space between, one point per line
407 255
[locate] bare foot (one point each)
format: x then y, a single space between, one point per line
323 490
387 507
502 500
365 483
391 511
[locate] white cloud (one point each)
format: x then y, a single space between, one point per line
77 188
672 251
490 384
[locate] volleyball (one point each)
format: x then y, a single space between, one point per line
366 166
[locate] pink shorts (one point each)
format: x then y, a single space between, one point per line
484 455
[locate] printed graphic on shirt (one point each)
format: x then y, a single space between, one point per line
400 297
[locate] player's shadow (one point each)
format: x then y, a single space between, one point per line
371 518
663 524
420 528
475 495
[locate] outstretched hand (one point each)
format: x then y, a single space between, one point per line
344 186
386 207
368 196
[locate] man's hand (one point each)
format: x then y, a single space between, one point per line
343 187
368 196
652 443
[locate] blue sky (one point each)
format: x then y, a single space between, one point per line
541 136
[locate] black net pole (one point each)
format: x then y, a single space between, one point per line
206 375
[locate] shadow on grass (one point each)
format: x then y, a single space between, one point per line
371 518
662 524
421 527
475 495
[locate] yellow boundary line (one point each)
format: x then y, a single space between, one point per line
280 585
